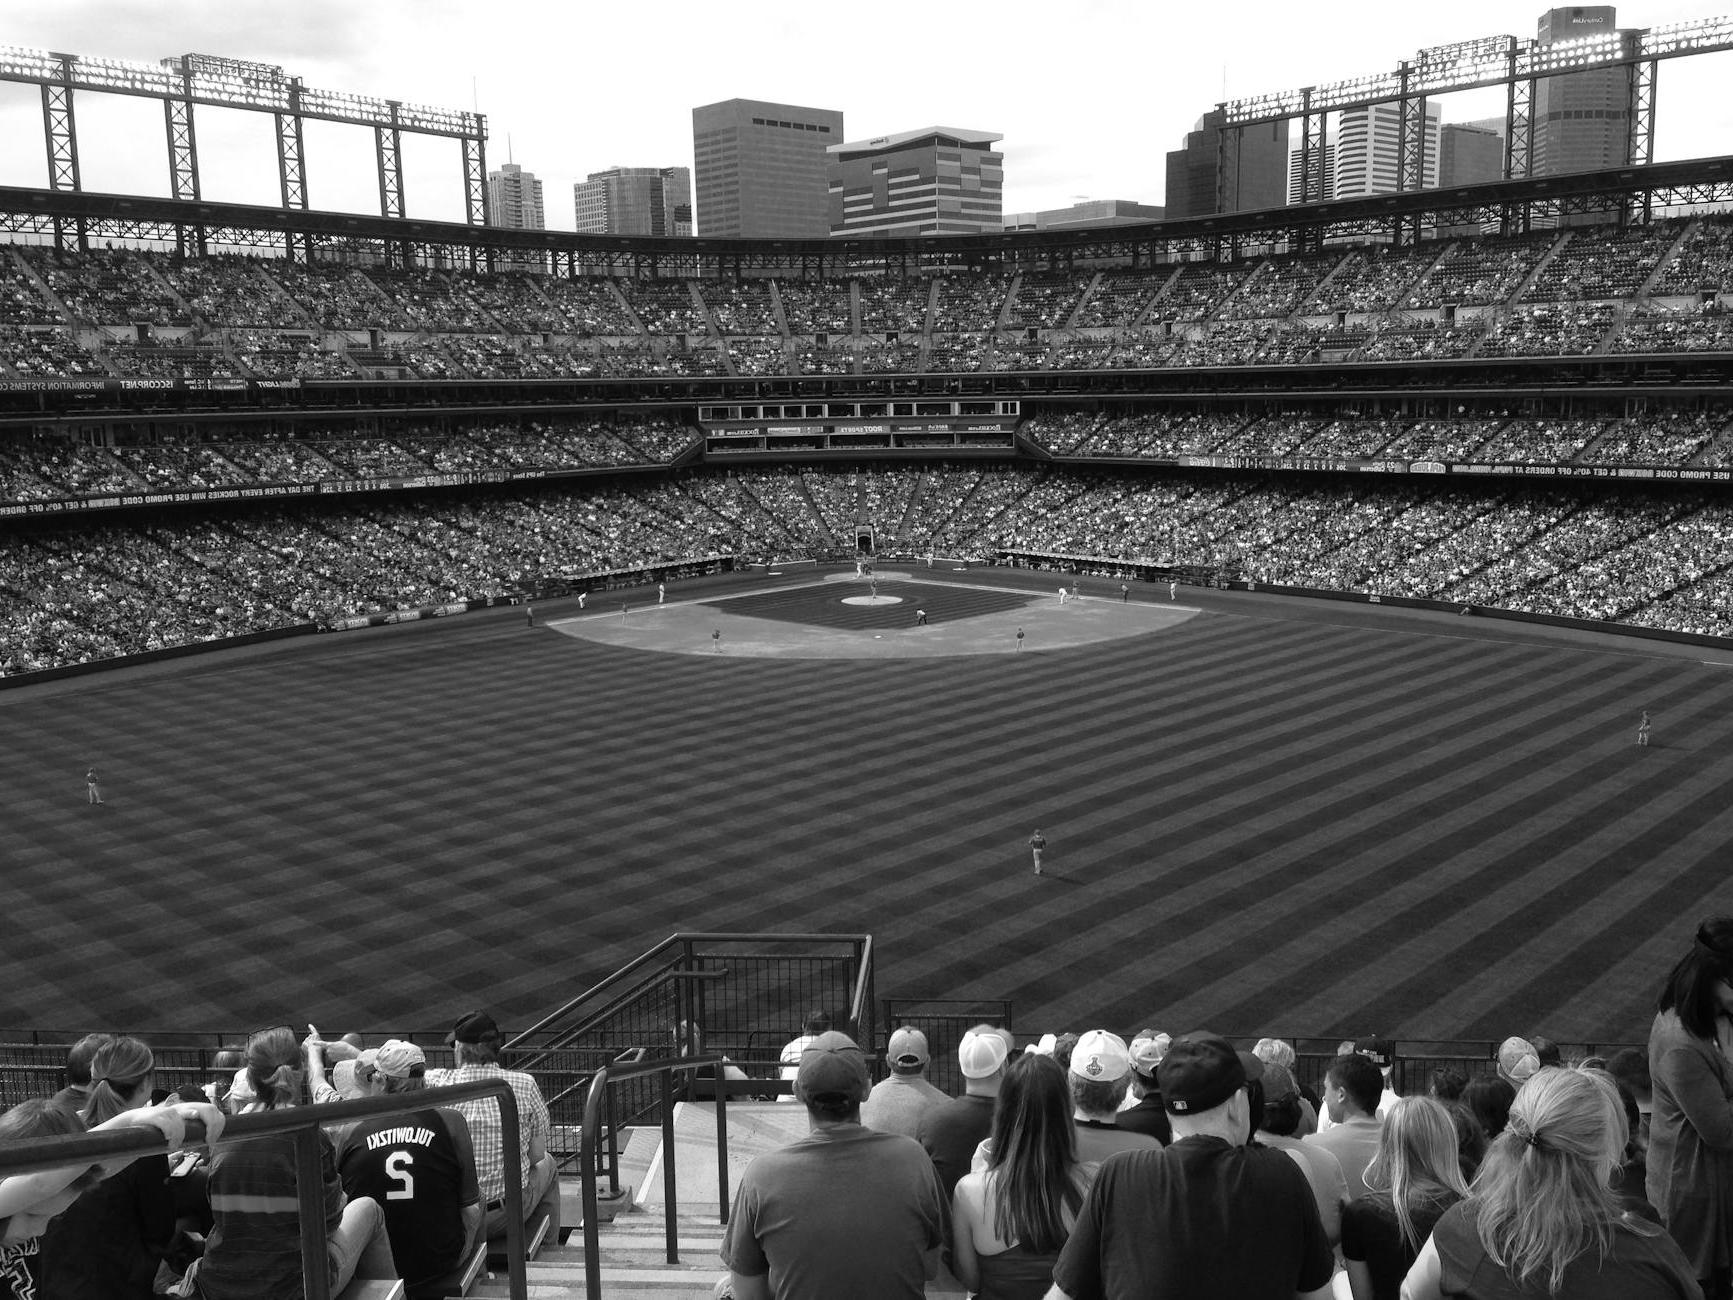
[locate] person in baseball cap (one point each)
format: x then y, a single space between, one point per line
1099 1074
832 1076
1146 1114
1518 1062
1210 1215
951 1132
898 1101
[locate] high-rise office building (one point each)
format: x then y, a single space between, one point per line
514 199
933 181
1255 175
1582 120
1323 168
1091 212
1470 153
634 201
1369 150
761 169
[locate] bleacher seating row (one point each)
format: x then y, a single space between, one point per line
1663 287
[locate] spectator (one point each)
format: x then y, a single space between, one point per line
108 1243
1147 1114
1541 1219
842 1211
1352 1088
1690 1178
1414 1179
951 1132
254 1250
1447 1083
816 1023
421 1167
1488 1099
1382 1053
1206 1217
898 1101
1279 1125
1099 1074
474 1042
1470 1140
76 1094
1009 1220
1517 1061
1630 1066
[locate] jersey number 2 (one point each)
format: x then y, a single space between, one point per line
397 1169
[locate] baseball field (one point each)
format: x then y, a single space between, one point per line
1263 815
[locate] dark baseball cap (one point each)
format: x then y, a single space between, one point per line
1201 1071
473 1027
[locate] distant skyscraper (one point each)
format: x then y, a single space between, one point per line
635 201
1470 153
1256 173
1369 150
514 199
1582 120
933 181
1323 169
761 169
1091 212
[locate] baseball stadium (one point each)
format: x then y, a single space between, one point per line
400 617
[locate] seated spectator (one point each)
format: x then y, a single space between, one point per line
76 1093
1414 1179
1542 1219
474 1041
816 1023
1275 1051
1099 1074
108 1243
1351 1091
421 1167
29 1203
1009 1220
843 1211
1630 1067
898 1101
254 1250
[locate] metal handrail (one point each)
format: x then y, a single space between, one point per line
619 1072
301 1123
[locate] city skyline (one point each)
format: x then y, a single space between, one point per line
1074 128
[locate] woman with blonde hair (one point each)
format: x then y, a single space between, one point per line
107 1244
1009 1221
254 1249
1415 1178
1541 1218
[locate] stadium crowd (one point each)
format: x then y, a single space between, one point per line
1087 1164
130 313
72 592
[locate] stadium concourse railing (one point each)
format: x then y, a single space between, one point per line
302 1124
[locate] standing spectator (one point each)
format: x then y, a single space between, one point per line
1690 1178
1517 1061
843 1211
1147 1115
254 1250
1414 1178
1099 1074
1351 1091
951 1132
1208 1216
1009 1221
1489 1099
898 1101
474 1042
1279 1127
1541 1219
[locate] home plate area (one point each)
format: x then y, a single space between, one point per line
848 607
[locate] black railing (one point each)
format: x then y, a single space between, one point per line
597 1101
302 1124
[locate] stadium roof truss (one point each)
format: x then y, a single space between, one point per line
187 80
1487 61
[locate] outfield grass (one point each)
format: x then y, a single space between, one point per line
1274 816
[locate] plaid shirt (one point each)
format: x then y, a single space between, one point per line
485 1127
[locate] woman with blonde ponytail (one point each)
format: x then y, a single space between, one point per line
1541 1218
108 1243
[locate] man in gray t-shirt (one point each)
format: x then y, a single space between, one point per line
896 1103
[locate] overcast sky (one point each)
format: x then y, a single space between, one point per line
1089 95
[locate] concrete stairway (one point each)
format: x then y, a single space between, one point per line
634 1262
